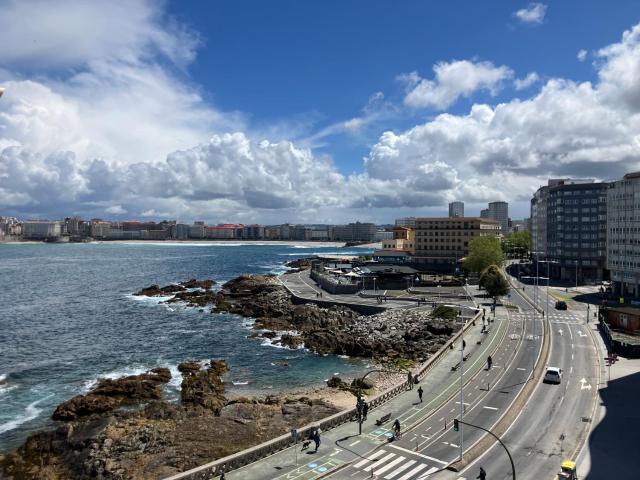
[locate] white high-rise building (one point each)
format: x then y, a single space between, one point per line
623 235
456 209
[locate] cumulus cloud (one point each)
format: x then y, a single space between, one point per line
582 55
58 156
526 82
534 13
459 78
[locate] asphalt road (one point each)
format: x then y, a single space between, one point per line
557 418
432 443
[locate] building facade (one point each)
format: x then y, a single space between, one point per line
41 230
623 235
446 240
568 228
406 222
354 232
404 240
499 211
456 209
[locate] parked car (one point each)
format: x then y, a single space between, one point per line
553 375
560 305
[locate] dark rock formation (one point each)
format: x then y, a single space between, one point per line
203 387
109 394
203 284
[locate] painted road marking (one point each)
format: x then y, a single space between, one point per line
389 465
380 462
427 473
427 457
407 476
355 443
400 469
489 408
372 457
522 369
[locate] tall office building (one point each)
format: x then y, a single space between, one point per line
500 211
623 235
568 227
456 209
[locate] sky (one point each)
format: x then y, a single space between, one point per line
313 112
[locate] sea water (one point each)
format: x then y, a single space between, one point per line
68 317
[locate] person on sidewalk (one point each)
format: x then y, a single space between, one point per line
420 391
489 362
483 474
316 439
410 380
365 410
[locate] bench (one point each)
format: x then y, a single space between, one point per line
383 419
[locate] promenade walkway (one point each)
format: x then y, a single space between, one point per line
342 444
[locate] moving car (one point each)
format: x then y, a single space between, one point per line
560 305
553 375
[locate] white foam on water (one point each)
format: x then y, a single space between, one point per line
30 413
183 244
240 383
122 372
154 300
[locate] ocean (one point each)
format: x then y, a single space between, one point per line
68 317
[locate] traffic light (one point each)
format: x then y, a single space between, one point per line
456 424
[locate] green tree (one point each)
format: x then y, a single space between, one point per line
517 243
493 281
483 251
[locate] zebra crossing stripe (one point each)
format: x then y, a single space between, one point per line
400 469
381 461
427 473
371 457
407 476
389 465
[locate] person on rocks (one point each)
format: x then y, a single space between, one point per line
316 438
420 392
365 410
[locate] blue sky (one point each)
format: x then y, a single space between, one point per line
308 111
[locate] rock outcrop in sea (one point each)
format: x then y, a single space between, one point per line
156 439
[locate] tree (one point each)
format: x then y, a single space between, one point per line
493 281
483 251
518 243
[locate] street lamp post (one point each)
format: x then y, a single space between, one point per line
461 384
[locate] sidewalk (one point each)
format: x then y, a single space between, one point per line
342 445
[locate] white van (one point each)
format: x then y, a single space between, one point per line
553 375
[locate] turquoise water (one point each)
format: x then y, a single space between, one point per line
67 317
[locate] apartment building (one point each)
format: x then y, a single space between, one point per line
499 211
456 209
446 240
41 230
623 235
568 228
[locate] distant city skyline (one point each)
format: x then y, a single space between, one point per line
252 112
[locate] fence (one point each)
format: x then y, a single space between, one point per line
250 455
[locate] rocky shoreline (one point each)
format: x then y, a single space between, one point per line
125 429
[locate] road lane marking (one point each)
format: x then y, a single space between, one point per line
520 368
400 469
371 458
489 408
427 473
407 476
380 461
427 457
355 443
389 465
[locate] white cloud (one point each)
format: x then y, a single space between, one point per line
115 210
526 82
582 55
533 14
460 78
118 137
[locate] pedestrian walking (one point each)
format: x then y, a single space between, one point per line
316 439
483 474
365 410
410 380
420 391
489 362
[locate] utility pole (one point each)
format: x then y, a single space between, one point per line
461 395
513 467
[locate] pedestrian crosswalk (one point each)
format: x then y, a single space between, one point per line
384 464
555 317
